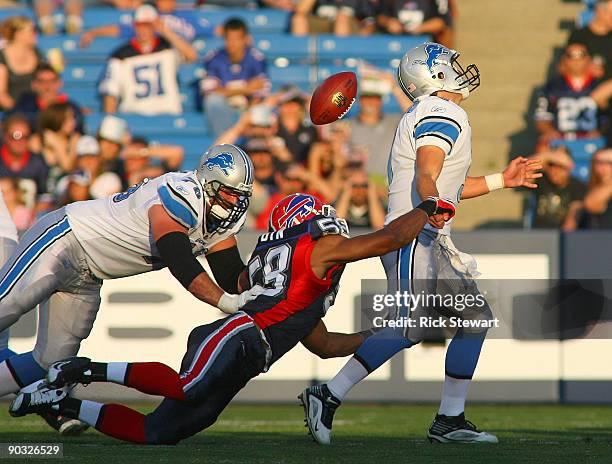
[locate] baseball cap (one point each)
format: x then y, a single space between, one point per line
145 14
256 145
104 185
113 129
292 94
87 145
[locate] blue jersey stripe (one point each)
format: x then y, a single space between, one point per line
439 127
33 251
176 209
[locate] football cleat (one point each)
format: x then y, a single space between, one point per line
319 408
456 429
68 372
66 426
37 399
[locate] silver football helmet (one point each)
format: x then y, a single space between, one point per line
225 172
430 67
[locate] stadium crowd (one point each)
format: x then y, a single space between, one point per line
49 157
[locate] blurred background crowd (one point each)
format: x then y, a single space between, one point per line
96 96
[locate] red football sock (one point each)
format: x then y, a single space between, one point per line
155 379
121 422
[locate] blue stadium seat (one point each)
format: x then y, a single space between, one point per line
8 12
381 49
580 149
301 75
100 16
285 48
188 124
584 17
188 73
582 170
83 74
206 45
98 51
261 20
84 96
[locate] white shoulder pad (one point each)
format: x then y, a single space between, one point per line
439 123
181 196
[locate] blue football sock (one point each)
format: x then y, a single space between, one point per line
380 347
463 353
25 369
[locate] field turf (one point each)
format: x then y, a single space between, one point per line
373 434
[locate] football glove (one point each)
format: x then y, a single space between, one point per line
230 304
435 205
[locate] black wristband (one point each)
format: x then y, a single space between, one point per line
429 206
175 250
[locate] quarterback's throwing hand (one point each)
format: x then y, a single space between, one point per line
522 172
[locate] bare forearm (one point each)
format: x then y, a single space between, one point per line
339 345
110 104
426 186
203 288
474 187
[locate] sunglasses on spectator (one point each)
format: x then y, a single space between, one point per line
18 135
575 55
603 161
361 185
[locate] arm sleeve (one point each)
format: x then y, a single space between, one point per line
226 265
437 127
180 200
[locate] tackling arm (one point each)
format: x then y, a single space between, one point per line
331 344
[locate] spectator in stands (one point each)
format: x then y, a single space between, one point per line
294 129
416 17
372 129
19 60
74 187
359 203
22 216
188 24
16 161
565 107
602 95
46 88
598 200
264 163
141 159
558 192
72 18
141 76
292 178
112 135
235 76
56 140
340 17
597 38
89 162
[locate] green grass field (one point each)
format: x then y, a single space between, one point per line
370 434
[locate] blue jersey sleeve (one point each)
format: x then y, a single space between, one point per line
179 197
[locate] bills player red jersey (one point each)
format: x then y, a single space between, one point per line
295 299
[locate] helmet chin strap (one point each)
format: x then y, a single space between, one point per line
465 93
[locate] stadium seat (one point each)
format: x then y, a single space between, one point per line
584 18
382 50
100 16
83 74
284 49
580 149
206 45
7 12
85 96
582 170
262 20
188 124
301 75
97 52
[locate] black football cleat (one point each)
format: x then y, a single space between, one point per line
319 408
69 371
456 429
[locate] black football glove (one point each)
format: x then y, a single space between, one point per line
435 205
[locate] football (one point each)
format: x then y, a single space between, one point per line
333 98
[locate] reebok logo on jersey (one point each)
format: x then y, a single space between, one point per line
224 161
438 109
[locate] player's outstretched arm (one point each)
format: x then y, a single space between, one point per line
336 249
521 172
175 249
331 344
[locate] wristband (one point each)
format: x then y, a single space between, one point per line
429 206
495 181
228 303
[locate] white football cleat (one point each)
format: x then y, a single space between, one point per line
37 397
319 408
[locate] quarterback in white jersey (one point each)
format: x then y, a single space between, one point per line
430 157
61 261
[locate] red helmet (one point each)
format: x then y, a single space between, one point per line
293 210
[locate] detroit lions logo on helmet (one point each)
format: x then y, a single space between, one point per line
433 51
224 161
